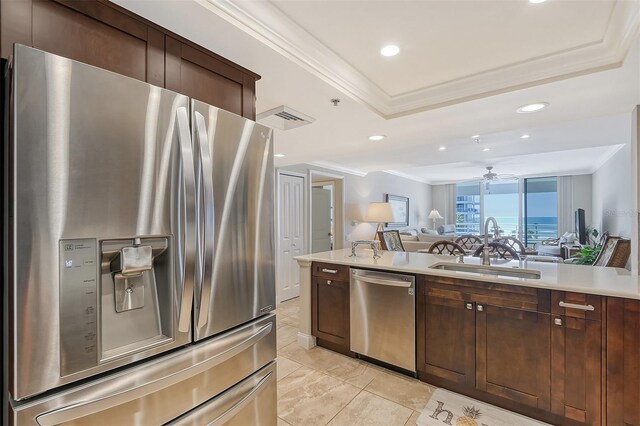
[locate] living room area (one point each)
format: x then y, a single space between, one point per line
555 218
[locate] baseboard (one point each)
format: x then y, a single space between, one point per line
307 341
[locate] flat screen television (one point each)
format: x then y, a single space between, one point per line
581 231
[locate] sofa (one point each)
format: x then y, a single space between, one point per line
421 239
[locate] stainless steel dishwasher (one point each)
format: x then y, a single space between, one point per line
383 317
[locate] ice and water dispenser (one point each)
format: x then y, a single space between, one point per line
119 307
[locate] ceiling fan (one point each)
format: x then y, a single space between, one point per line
491 176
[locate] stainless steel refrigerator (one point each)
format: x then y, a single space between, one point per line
139 254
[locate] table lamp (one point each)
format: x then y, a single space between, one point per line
379 213
435 215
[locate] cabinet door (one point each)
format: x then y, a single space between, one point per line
512 354
623 361
446 337
87 31
330 311
576 369
208 79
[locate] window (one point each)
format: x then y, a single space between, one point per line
468 211
541 209
502 201
526 209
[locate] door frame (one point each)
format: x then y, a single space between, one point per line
322 184
338 206
305 218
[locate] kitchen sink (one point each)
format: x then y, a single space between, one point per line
488 270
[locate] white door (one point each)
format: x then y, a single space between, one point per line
291 226
320 220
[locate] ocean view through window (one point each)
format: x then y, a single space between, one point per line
541 210
526 209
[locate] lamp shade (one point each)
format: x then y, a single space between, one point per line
379 212
435 214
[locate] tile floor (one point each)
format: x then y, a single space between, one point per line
320 387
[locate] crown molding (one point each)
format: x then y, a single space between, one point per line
407 176
338 168
267 23
602 160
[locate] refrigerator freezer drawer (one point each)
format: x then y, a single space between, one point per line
250 402
163 389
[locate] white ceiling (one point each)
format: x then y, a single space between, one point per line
572 162
588 111
435 48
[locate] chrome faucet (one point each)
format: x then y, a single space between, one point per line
372 243
485 247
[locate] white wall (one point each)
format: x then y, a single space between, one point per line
581 197
574 192
360 191
612 201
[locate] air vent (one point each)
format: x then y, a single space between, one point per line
284 118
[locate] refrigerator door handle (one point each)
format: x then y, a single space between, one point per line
244 394
188 257
206 222
123 396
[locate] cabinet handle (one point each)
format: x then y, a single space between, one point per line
469 306
557 321
329 282
480 308
330 271
562 304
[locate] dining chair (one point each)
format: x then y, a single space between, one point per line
514 243
499 250
447 247
468 242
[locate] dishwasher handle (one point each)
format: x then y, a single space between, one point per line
383 281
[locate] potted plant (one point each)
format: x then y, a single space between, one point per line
588 253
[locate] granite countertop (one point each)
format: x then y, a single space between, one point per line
614 282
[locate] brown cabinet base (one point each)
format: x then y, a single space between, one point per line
507 404
330 318
335 347
623 362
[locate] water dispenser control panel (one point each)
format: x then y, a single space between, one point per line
78 305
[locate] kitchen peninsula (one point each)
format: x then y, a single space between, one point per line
561 345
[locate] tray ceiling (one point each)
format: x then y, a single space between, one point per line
451 51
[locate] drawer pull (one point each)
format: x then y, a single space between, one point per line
329 282
574 306
469 306
330 271
557 321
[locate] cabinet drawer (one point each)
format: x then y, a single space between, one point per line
504 295
576 305
330 271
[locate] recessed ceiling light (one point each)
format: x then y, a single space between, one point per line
535 107
525 136
475 137
487 149
278 155
443 148
390 50
376 137
536 1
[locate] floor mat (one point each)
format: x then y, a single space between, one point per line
448 408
